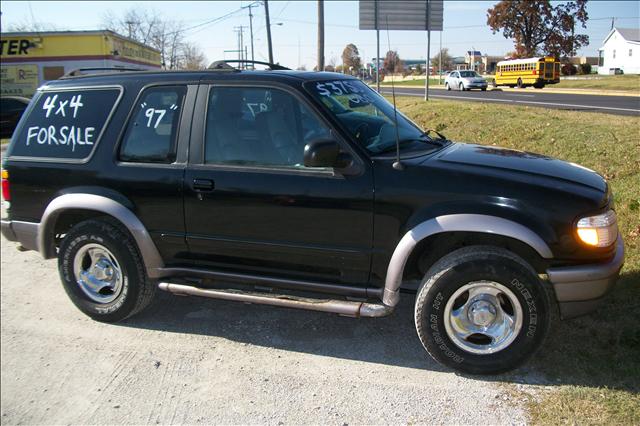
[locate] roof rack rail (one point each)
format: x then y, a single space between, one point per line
79 71
223 65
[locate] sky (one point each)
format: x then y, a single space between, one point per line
294 31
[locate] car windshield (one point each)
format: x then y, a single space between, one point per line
468 74
369 117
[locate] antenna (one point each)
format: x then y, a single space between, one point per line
397 164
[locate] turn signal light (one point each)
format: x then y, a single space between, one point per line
598 231
5 186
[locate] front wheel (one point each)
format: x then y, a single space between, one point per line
446 86
461 87
481 310
102 271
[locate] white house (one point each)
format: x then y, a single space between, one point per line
620 50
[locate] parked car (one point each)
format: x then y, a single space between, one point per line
263 186
465 80
11 109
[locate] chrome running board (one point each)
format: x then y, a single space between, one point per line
340 307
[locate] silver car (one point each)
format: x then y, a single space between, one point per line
465 80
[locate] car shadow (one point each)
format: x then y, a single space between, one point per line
563 360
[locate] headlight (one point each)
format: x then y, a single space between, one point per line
598 231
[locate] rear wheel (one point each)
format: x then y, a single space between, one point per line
481 310
102 271
446 86
520 85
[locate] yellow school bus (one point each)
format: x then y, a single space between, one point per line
536 72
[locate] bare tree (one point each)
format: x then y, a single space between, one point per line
192 57
150 28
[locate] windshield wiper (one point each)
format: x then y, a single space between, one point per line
442 139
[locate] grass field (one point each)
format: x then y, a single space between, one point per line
613 82
593 362
627 83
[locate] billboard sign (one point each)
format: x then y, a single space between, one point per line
424 15
19 80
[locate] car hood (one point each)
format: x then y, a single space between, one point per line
522 162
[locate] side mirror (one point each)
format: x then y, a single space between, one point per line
325 153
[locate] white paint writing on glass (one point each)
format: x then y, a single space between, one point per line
50 105
66 135
149 114
75 104
338 88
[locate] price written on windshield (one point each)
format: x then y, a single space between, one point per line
342 88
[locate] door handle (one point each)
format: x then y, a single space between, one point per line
203 185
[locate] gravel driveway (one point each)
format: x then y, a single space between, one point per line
190 360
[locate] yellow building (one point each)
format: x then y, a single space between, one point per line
29 59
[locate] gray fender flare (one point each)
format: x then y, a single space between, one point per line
453 223
148 250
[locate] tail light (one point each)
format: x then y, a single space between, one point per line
5 186
535 72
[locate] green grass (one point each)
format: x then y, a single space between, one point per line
593 361
418 83
629 83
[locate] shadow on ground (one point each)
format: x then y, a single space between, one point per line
598 350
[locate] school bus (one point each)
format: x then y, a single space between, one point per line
536 72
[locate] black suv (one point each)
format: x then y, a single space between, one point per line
271 186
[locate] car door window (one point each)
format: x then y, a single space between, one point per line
152 131
253 126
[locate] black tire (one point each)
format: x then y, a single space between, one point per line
446 86
472 265
136 290
484 89
520 85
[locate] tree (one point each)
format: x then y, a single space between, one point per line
150 28
447 60
192 57
537 27
392 62
351 58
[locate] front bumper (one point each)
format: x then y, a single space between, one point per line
476 85
581 289
26 233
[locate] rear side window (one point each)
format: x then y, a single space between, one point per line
152 131
65 124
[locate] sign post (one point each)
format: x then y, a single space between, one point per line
404 15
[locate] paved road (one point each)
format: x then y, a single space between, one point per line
620 105
188 360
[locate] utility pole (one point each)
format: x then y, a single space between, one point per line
241 49
129 25
375 6
426 80
320 35
252 5
440 61
266 14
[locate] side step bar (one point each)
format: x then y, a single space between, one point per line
340 307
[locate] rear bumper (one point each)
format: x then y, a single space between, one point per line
26 233
581 289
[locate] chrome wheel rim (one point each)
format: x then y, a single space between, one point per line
483 317
98 273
